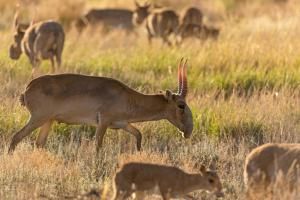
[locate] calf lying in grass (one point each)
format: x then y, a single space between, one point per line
171 182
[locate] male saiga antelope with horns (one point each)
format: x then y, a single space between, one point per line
39 41
102 102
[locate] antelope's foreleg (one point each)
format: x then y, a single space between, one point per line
52 64
100 132
134 131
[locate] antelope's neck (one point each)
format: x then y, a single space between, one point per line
193 182
147 107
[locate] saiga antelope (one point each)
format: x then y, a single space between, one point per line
201 32
102 102
192 15
159 23
39 41
109 18
263 164
171 182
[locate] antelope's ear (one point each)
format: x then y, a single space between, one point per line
137 4
168 95
202 169
21 28
147 5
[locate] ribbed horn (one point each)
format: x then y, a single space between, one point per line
16 19
137 4
179 72
184 87
33 20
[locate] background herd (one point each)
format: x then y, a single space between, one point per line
243 92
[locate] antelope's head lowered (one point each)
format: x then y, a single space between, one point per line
178 112
141 13
15 49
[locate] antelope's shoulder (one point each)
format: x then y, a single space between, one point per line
154 169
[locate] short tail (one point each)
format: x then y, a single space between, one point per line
22 99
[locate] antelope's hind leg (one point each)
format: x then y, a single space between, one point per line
31 125
43 134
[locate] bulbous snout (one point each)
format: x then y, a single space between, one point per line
138 21
219 194
14 52
188 128
187 131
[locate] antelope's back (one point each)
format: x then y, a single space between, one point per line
266 158
146 171
110 17
66 87
50 29
192 15
162 22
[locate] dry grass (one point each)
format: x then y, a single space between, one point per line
244 91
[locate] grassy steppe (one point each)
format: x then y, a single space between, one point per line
244 91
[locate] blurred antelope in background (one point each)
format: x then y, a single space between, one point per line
171 182
192 15
39 41
201 32
161 22
265 163
191 26
101 102
110 18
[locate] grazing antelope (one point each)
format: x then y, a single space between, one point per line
102 102
162 23
111 18
192 15
42 40
140 13
159 23
263 164
171 182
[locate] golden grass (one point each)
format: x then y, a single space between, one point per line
244 91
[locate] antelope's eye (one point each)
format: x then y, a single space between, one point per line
211 181
181 106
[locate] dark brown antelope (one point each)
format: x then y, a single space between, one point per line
160 23
192 15
201 32
101 102
171 182
111 18
39 41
